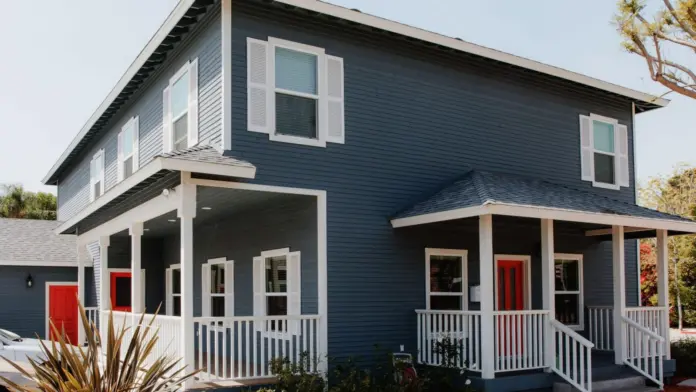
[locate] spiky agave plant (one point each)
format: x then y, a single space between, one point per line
69 368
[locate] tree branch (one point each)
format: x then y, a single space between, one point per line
683 25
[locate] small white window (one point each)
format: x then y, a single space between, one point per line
569 291
218 288
604 151
128 147
295 92
173 289
446 279
277 285
96 175
180 109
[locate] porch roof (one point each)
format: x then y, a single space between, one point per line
481 193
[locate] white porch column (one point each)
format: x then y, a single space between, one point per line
104 297
548 287
663 285
136 233
618 261
186 213
487 296
80 296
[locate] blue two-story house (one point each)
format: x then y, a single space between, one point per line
291 176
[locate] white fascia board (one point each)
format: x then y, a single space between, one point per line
15 263
547 213
169 23
453 43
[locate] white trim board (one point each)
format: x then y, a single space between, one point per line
47 310
545 213
527 262
65 264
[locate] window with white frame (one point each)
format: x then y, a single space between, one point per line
295 92
96 175
180 101
128 143
604 151
277 287
218 288
446 279
173 289
569 301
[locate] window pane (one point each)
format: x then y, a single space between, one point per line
567 308
277 306
217 279
176 281
296 116
567 275
128 167
123 292
179 95
127 141
276 275
176 306
445 274
442 302
181 133
603 136
296 71
604 168
217 306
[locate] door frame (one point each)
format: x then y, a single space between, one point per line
48 306
527 266
108 281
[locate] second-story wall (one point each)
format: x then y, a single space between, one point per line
202 43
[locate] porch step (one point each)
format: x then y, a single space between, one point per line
617 383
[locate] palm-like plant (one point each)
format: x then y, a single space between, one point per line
69 368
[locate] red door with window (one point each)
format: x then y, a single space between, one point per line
121 291
62 310
510 297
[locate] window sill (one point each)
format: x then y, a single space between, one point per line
297 140
604 185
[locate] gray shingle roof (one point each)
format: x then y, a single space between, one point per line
478 188
203 153
31 241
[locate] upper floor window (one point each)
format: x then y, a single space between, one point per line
218 288
604 151
180 119
277 287
128 149
295 92
96 175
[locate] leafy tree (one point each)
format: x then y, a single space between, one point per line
15 202
676 195
648 274
670 31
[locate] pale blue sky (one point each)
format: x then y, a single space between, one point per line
61 58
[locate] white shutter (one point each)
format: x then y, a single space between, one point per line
336 116
168 284
136 143
166 121
586 148
102 178
193 104
259 297
229 288
622 172
119 160
205 289
92 174
294 289
258 86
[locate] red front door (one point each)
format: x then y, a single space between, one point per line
511 282
62 310
121 291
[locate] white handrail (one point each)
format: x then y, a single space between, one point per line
573 360
644 350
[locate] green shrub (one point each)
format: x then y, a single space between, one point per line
684 352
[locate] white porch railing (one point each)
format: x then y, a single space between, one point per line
519 339
92 315
461 330
653 318
600 322
573 360
238 348
644 350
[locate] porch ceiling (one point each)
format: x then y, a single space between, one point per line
483 193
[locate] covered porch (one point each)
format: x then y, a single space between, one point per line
537 280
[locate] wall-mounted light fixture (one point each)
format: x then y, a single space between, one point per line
30 281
